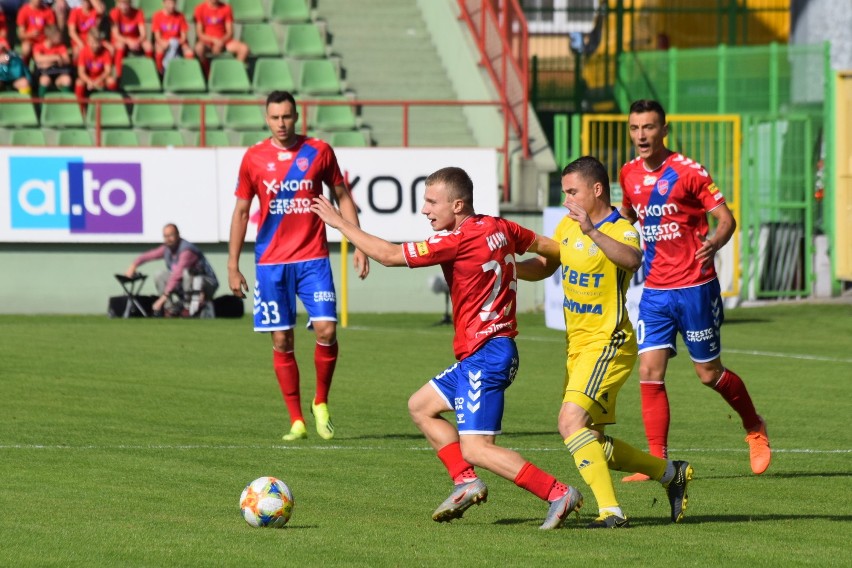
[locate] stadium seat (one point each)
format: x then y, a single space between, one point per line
261 40
75 137
139 75
17 114
245 116
349 138
272 75
189 116
184 76
303 41
152 115
119 137
228 76
150 7
213 138
61 110
188 10
28 137
113 115
333 117
166 138
248 11
252 137
319 77
289 11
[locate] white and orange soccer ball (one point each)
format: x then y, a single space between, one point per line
267 502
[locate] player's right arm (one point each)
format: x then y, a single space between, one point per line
626 209
239 224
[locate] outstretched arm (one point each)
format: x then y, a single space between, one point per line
350 213
381 250
542 266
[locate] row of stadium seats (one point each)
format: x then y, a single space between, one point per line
283 11
139 137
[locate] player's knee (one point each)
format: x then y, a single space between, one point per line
475 450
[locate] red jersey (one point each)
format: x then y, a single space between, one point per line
32 19
3 40
43 49
213 18
671 203
82 21
95 63
478 261
128 23
285 182
169 25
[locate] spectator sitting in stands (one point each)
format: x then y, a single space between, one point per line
129 35
214 30
188 275
94 67
32 19
170 30
83 18
53 63
13 72
4 32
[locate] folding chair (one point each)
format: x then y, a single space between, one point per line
132 286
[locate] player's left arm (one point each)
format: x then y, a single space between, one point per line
542 266
350 213
725 227
377 248
626 256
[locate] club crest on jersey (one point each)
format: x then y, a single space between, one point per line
578 244
662 187
649 180
270 167
593 250
302 163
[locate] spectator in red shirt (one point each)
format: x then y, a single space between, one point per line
83 18
4 41
94 67
170 30
214 30
129 35
32 19
53 63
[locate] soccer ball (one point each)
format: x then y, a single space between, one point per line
267 502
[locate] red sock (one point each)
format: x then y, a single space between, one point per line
457 467
538 482
158 59
733 390
325 359
287 373
656 417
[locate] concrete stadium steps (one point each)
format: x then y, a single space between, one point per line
387 54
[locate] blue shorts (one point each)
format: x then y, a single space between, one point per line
474 386
277 285
696 313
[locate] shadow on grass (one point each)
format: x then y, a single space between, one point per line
638 522
781 475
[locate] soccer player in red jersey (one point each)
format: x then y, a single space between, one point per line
83 18
129 35
94 67
477 256
170 30
31 20
670 195
214 32
291 252
52 62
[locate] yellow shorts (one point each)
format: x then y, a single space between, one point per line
595 375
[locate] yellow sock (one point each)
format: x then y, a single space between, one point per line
624 457
591 462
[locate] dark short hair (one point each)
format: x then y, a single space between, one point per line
648 105
457 181
591 170
280 97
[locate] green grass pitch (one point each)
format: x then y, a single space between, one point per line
128 442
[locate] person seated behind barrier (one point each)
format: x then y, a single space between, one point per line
85 17
13 73
32 18
129 34
53 64
94 67
214 32
188 275
170 29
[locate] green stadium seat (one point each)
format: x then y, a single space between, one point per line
61 110
14 114
139 75
272 75
248 11
75 137
184 76
261 40
166 138
245 117
348 138
289 11
319 77
188 10
332 117
213 138
149 8
304 41
252 137
153 116
189 116
119 137
28 137
113 115
228 76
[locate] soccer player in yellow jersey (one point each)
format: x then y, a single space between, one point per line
598 252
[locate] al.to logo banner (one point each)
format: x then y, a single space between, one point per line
68 193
